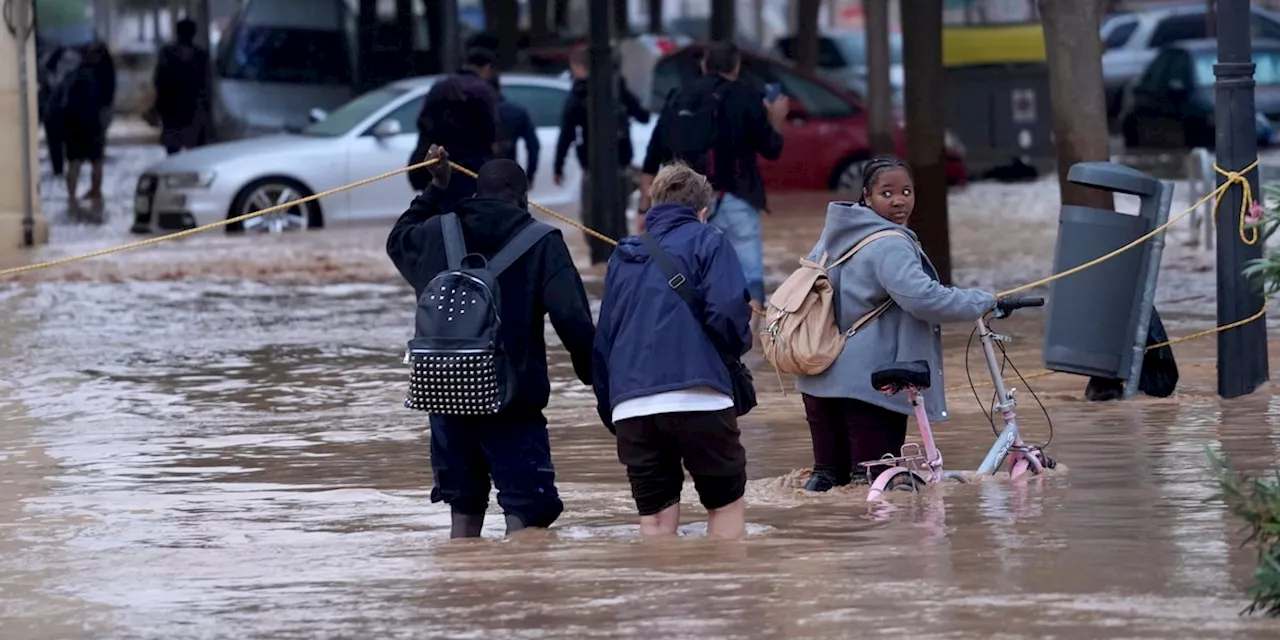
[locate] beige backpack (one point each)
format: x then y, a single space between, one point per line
800 335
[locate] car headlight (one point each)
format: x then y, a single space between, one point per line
952 142
188 180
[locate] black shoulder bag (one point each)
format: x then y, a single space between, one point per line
744 390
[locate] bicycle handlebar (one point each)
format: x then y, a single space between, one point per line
1006 306
1020 302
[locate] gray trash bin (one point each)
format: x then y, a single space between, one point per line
1098 318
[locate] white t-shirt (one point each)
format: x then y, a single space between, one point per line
693 399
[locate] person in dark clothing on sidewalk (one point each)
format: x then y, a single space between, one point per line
511 446
574 129
515 123
57 68
459 113
661 382
747 126
82 122
183 90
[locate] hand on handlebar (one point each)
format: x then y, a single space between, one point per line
1006 306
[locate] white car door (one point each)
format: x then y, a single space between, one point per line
545 105
369 155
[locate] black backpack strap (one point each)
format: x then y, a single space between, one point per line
517 246
676 280
455 248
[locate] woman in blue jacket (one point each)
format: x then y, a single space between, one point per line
659 363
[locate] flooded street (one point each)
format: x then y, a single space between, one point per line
205 439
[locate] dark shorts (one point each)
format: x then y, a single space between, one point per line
514 451
85 144
708 443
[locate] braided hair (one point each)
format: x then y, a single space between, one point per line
874 167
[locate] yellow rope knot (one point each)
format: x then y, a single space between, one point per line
1246 199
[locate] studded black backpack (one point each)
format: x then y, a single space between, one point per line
457 363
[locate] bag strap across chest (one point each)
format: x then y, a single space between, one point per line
883 306
455 247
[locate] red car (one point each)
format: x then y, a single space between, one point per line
826 134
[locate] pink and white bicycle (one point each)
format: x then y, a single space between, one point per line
915 468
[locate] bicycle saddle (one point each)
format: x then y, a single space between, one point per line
897 376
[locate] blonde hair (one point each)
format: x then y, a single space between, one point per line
677 183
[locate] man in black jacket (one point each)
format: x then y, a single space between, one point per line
748 126
512 447
574 128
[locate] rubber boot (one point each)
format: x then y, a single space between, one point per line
514 524
821 480
466 525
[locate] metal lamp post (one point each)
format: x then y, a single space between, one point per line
1242 352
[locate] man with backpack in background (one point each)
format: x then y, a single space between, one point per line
718 125
485 273
574 128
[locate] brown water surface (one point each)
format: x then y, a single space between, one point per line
210 444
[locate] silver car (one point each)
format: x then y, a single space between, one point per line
371 135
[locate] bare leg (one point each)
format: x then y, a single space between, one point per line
728 522
663 523
73 184
95 181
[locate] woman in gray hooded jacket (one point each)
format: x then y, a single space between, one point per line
851 422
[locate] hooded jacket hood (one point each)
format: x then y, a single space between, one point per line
659 220
489 222
846 224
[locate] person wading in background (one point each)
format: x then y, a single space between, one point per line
740 125
574 129
182 86
459 113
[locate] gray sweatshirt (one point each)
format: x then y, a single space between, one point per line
889 267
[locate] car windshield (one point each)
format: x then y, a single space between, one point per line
1266 67
853 47
344 118
276 54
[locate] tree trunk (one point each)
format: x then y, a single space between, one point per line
925 101
621 19
503 18
1073 50
562 15
655 16
879 96
724 21
806 53
539 24
367 23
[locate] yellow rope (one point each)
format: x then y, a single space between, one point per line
1233 177
214 225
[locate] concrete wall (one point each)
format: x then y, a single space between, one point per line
11 156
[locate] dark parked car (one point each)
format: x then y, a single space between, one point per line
1171 106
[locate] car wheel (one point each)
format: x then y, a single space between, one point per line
270 192
848 179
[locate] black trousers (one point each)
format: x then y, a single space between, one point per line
514 450
55 139
846 432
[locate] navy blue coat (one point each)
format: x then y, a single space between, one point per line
648 341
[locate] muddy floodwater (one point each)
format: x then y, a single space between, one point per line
206 440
